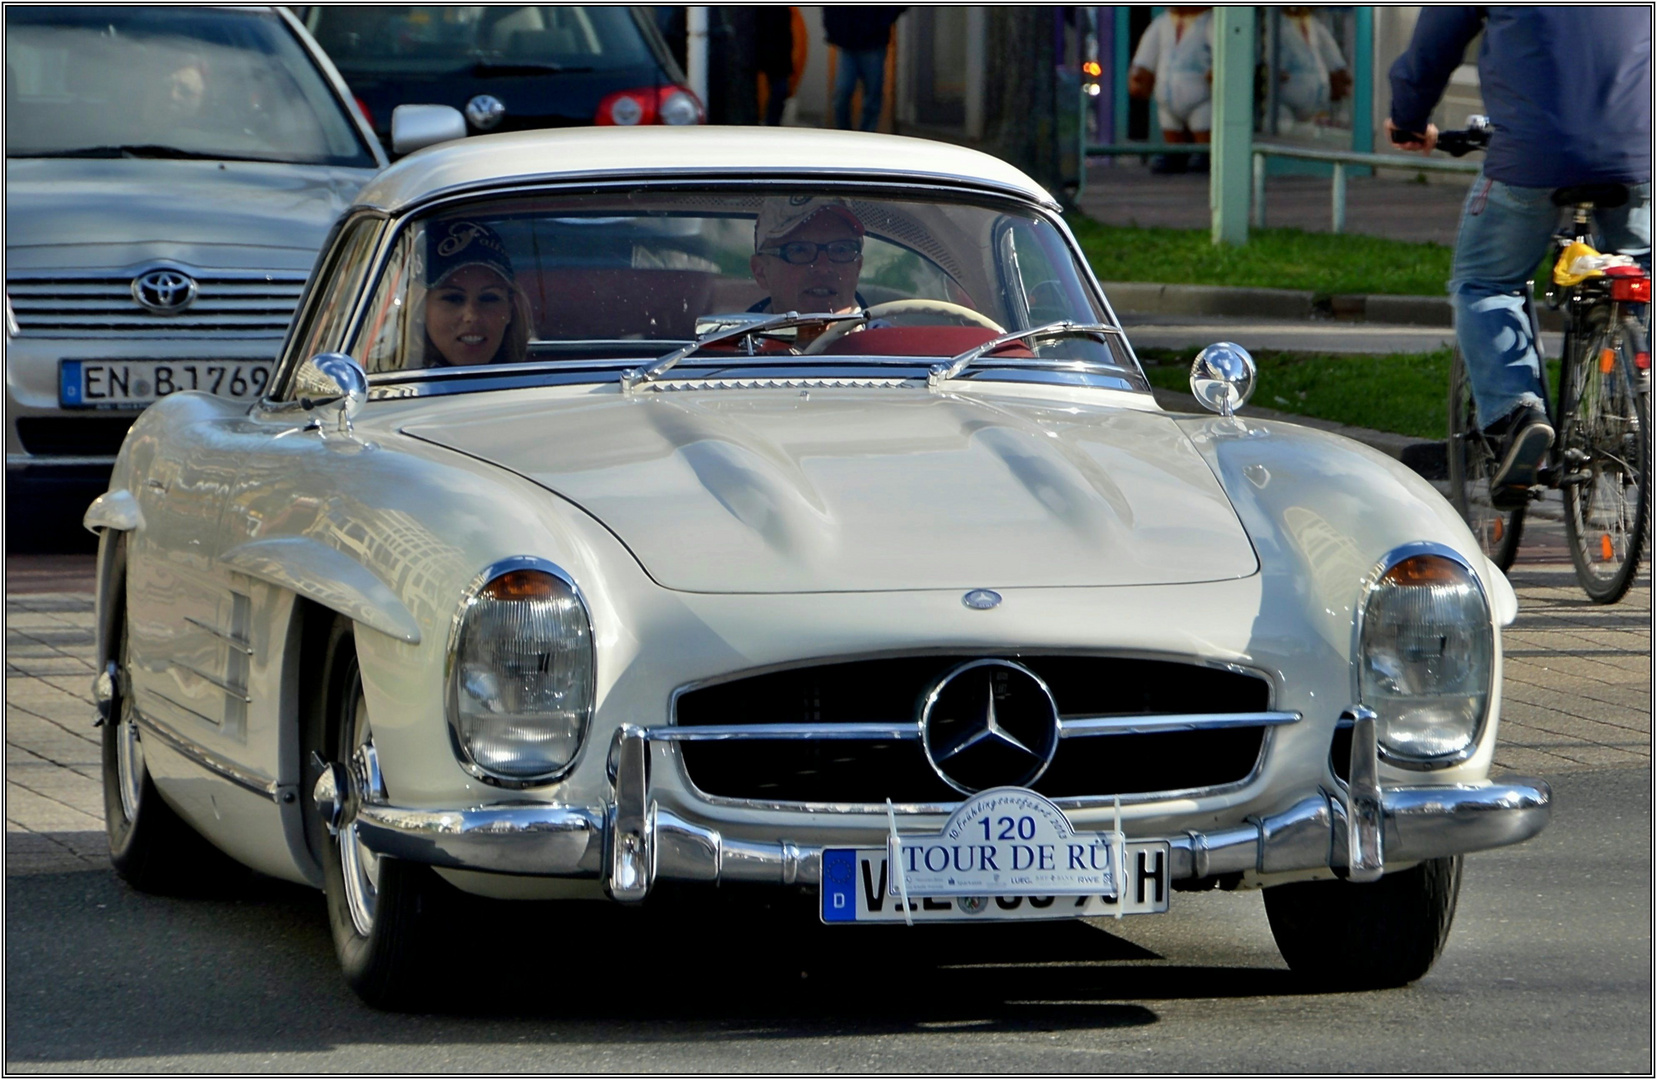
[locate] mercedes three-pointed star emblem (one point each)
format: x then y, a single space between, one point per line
988 723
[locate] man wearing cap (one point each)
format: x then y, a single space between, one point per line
808 253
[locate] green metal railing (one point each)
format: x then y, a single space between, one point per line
1340 159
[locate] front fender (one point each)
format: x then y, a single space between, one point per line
1323 511
329 577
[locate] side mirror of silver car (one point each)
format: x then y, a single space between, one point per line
416 126
1222 377
334 387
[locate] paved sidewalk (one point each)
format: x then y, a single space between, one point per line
1577 694
1398 208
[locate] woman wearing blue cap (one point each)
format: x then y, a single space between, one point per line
475 312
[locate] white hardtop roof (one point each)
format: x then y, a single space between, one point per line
654 153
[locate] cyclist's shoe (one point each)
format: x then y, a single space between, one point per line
1523 439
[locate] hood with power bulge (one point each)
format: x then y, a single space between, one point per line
855 490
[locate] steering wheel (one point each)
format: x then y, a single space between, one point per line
898 309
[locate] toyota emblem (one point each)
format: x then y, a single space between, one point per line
989 723
165 292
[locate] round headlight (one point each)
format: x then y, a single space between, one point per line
1426 653
521 677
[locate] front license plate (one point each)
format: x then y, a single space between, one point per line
857 889
115 384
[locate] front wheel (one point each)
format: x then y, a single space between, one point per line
1607 458
1472 461
1366 936
381 911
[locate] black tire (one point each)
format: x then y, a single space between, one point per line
1471 461
1607 446
381 911
1348 936
150 846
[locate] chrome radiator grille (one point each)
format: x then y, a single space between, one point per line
1152 726
252 304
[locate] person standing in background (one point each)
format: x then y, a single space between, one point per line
861 34
774 44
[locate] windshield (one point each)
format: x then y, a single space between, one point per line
442 39
168 82
586 277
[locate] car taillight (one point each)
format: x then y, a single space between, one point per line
649 105
362 107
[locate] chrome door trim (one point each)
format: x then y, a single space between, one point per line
234 691
222 635
258 785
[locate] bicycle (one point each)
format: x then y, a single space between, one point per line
1600 460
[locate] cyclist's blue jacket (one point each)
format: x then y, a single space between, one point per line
1568 88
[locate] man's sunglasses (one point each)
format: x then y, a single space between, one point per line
804 252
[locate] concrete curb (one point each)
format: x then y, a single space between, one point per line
1156 298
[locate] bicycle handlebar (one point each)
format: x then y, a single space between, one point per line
1458 142
1462 142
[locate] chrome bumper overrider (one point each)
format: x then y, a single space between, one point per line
634 842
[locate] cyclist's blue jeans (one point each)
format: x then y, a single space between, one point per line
1505 231
869 67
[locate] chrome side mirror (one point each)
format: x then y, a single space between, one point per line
332 385
416 126
1222 377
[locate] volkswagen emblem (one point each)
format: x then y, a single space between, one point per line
165 292
485 111
981 599
989 723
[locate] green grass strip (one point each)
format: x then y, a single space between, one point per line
1403 392
1406 393
1323 263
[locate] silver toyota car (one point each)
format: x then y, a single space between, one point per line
170 175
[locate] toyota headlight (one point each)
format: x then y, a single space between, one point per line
521 674
1425 660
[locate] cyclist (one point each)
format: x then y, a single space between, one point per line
1568 90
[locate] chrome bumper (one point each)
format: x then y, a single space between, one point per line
634 842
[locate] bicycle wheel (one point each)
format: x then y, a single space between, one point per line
1472 460
1607 457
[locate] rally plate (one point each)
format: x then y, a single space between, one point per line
856 889
1004 853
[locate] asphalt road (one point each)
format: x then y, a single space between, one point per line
1548 969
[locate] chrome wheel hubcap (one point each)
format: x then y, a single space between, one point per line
129 762
360 866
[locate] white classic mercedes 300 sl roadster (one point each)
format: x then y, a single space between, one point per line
784 507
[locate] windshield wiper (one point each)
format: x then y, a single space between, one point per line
958 363
634 376
136 150
486 69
